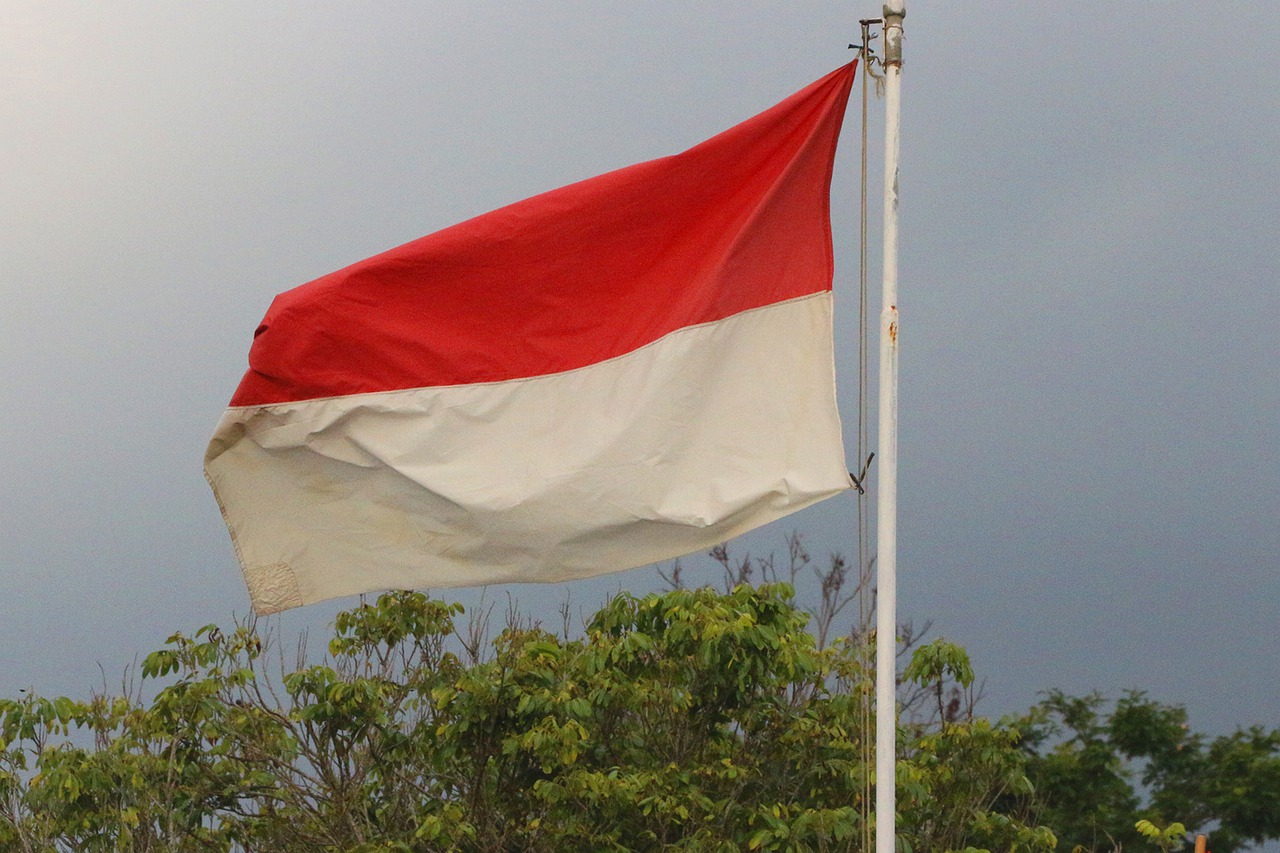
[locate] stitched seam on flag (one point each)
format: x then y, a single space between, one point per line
373 395
253 575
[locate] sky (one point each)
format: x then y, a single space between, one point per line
1090 329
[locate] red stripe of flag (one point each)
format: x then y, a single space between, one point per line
574 276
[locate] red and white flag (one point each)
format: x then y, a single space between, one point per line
607 375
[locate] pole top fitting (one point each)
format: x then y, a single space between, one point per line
894 12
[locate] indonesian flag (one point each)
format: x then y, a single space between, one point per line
607 375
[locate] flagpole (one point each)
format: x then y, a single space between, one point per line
887 482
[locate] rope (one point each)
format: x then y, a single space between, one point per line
864 704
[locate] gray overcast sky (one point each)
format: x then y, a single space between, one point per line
1090 308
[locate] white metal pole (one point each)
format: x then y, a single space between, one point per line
887 482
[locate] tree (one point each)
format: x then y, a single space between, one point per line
689 720
1100 770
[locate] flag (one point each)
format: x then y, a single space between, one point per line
607 375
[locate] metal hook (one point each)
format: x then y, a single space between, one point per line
861 476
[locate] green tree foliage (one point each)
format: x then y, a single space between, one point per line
689 720
1107 776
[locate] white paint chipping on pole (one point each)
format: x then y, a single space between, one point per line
887 482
